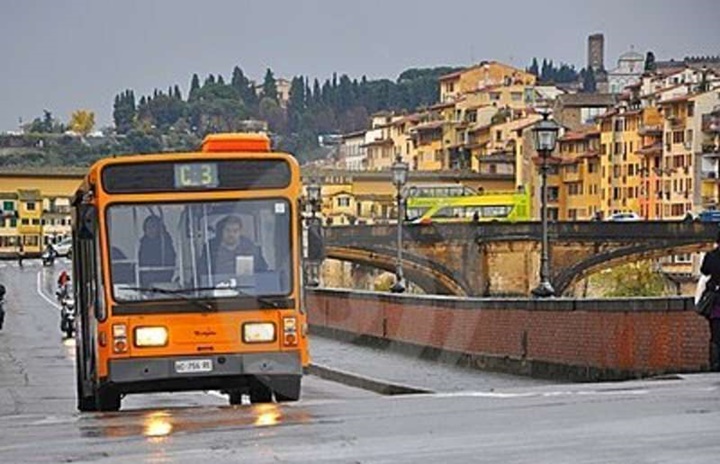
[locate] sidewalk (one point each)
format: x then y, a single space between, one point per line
396 368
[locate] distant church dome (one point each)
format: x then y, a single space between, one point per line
631 55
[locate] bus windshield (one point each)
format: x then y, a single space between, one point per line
200 249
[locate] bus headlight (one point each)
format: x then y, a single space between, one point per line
151 336
258 332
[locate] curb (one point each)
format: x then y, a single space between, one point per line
366 383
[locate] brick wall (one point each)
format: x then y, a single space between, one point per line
576 339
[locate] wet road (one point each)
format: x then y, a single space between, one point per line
651 421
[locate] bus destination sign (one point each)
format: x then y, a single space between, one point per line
196 175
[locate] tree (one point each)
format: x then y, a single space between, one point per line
194 87
632 279
650 62
269 89
533 69
82 122
589 82
124 111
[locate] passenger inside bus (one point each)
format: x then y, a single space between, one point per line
156 255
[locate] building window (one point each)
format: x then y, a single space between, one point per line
678 137
30 206
343 202
25 222
8 206
494 96
691 109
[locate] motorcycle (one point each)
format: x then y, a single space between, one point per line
48 256
66 299
67 316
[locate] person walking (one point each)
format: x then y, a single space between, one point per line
21 255
711 268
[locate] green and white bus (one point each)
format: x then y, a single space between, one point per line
427 203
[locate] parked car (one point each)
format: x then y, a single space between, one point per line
708 215
625 217
63 247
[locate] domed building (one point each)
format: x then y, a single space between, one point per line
631 65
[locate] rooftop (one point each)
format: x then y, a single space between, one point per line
587 100
44 171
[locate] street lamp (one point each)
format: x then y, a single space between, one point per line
314 230
545 135
399 178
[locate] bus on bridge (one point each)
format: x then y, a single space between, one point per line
187 270
426 203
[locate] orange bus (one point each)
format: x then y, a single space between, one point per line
187 271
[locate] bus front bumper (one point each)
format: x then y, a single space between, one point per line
225 369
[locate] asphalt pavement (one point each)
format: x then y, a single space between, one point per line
652 421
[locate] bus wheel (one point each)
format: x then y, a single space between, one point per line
235 397
84 403
260 392
287 388
107 399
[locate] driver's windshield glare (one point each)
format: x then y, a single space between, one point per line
205 249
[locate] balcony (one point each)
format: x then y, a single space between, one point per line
710 149
676 122
647 129
711 124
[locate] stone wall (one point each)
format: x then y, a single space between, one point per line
566 338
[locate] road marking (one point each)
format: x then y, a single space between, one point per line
42 294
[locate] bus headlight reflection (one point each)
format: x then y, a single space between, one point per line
151 336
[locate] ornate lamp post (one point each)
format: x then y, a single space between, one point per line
314 191
399 177
545 136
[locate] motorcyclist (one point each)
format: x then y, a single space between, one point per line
62 283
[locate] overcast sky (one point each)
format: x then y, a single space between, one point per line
64 55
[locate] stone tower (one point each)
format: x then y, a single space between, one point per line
596 52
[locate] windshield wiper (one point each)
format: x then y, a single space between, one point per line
200 304
237 288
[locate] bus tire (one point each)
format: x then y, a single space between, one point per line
287 388
84 403
235 397
107 399
260 392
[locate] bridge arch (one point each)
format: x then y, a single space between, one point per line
566 278
432 277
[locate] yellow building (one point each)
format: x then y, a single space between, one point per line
677 158
484 74
620 161
579 175
36 206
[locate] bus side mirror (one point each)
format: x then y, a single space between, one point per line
87 222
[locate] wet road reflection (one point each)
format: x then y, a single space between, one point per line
267 414
158 425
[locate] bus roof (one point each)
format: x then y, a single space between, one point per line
236 141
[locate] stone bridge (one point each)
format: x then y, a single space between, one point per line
495 259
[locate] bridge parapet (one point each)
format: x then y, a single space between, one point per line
576 339
503 258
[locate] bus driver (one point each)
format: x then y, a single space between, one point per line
230 244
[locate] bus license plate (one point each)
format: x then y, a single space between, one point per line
193 365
